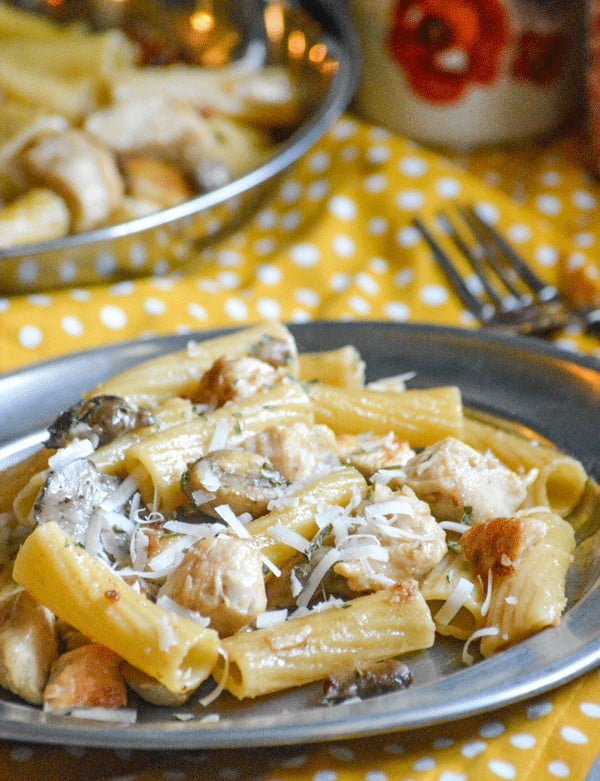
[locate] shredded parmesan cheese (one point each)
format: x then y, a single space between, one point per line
462 591
486 631
270 618
80 448
219 437
316 576
212 696
289 537
226 513
488 593
121 715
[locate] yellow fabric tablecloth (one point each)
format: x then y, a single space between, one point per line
337 242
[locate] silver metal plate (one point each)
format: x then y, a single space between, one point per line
517 379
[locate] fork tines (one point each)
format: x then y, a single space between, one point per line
495 282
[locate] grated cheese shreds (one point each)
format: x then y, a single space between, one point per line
164 601
121 715
207 477
80 448
462 591
92 533
316 576
485 606
166 634
453 526
288 536
122 495
398 506
219 437
225 512
220 687
271 618
486 631
166 558
199 530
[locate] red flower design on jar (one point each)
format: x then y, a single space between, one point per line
540 56
447 45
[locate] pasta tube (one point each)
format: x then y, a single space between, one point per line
342 367
533 596
15 477
159 460
336 487
442 585
561 479
84 592
420 416
110 458
370 628
178 373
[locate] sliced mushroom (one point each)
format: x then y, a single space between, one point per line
151 690
82 171
70 496
221 578
99 419
245 481
367 681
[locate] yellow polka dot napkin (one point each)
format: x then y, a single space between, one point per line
337 241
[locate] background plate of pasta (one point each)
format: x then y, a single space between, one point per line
288 534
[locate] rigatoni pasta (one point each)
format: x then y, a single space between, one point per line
240 512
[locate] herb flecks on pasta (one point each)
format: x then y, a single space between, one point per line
238 512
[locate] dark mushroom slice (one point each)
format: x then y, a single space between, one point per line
245 481
367 681
99 419
71 494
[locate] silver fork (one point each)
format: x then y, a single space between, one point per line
504 291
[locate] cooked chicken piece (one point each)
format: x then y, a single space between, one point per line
405 527
156 181
28 646
276 352
87 677
221 578
245 481
498 543
99 419
455 479
369 452
151 690
298 451
35 215
229 379
71 494
82 171
166 128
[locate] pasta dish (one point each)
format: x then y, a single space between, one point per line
100 127
238 517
